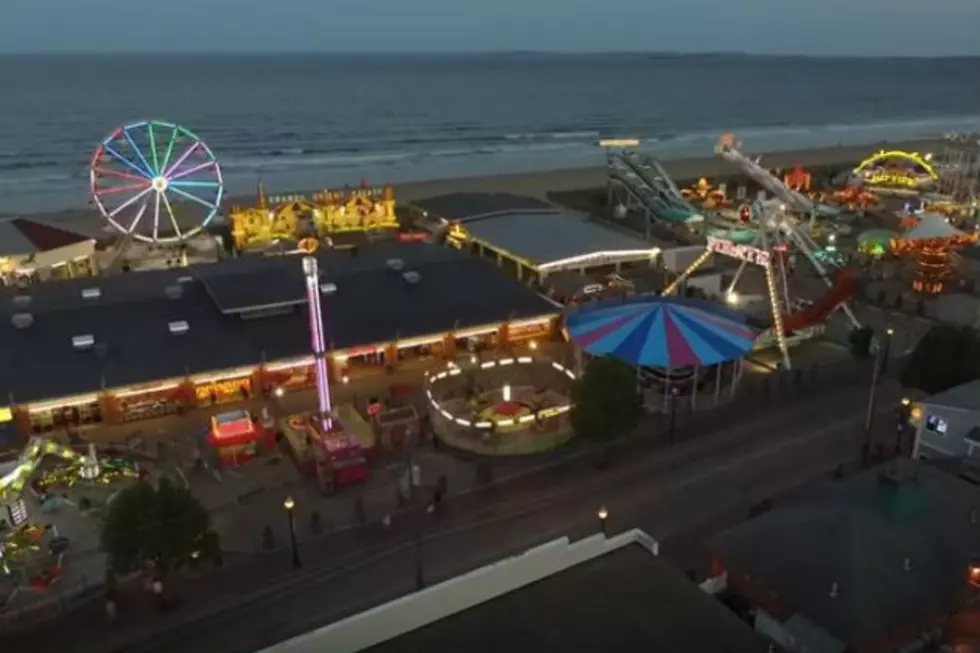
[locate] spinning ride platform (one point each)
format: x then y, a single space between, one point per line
503 407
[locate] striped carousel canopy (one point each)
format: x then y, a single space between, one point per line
664 332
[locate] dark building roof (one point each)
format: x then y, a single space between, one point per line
20 237
129 319
859 533
460 206
624 601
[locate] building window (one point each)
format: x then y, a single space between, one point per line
936 424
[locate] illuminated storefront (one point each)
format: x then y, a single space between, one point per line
224 387
172 396
67 413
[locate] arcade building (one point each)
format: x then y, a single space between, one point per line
140 345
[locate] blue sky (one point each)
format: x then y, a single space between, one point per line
824 27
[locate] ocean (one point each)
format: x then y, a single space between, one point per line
314 121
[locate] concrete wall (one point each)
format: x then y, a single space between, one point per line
413 611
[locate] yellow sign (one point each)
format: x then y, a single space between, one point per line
5 414
223 388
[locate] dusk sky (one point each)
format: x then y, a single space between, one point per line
827 27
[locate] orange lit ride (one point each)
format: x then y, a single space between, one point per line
707 195
931 242
854 197
798 179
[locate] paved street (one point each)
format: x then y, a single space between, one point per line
670 493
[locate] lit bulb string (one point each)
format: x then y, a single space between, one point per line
484 424
317 341
153 174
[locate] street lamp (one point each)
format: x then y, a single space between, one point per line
603 515
890 333
903 418
289 505
673 413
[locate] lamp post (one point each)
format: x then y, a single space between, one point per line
289 505
673 413
886 354
869 418
603 515
903 418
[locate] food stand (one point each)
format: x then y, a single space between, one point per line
236 437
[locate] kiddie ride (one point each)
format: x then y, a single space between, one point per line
323 448
325 215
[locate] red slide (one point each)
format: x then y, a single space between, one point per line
837 295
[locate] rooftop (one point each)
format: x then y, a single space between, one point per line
625 600
549 237
461 206
19 237
129 316
893 542
964 397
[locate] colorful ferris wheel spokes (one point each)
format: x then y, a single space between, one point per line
156 182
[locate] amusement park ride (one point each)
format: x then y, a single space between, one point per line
708 196
326 214
778 234
155 183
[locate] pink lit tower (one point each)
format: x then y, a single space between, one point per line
317 341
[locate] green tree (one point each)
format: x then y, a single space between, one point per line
157 529
605 400
947 356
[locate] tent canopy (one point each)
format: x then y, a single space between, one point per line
932 227
664 332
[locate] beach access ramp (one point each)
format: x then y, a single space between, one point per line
648 183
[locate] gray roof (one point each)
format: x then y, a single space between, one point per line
543 237
858 533
624 601
129 321
965 397
460 206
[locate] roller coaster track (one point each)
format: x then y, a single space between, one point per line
649 183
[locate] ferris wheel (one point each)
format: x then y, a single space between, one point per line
156 182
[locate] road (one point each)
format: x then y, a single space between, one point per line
669 494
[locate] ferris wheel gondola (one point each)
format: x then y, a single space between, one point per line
156 182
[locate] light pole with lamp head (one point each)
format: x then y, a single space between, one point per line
289 506
673 413
603 515
903 418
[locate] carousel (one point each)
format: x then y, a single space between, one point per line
681 348
931 243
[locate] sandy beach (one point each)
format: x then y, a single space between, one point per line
538 184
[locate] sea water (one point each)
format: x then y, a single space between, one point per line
312 121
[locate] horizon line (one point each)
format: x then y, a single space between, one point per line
480 53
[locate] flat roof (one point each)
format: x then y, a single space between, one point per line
547 237
460 206
964 397
624 601
129 319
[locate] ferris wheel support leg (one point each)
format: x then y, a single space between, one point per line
686 273
777 317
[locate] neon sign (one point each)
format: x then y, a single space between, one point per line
746 253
